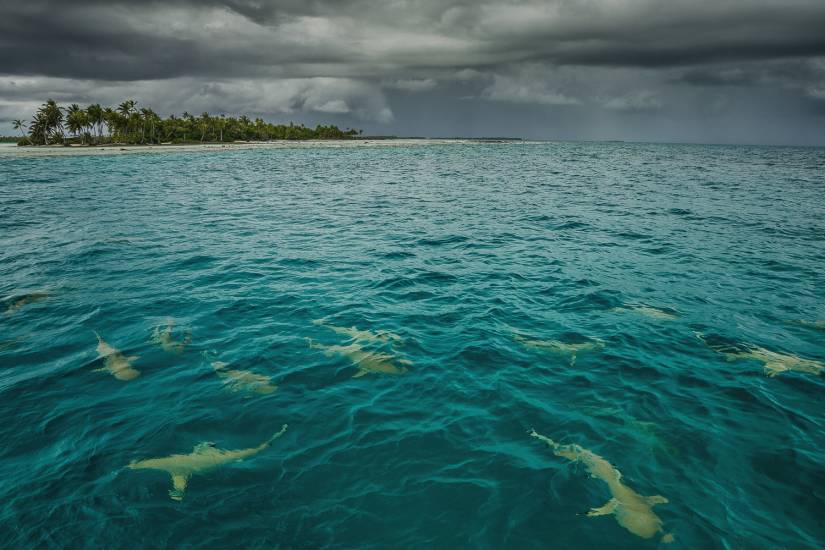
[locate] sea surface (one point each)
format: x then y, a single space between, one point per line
612 296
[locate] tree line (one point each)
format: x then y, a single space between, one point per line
128 124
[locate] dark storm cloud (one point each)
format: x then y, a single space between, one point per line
138 40
628 61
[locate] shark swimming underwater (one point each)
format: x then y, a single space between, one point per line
117 364
633 511
560 348
243 380
773 362
19 302
381 336
647 311
203 458
366 361
165 339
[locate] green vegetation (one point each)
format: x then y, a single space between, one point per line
126 124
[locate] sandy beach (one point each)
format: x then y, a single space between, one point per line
13 150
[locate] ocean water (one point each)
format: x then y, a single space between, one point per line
471 272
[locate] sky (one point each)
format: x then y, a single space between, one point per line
708 71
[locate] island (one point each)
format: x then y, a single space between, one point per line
127 124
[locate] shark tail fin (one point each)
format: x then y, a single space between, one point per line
277 435
99 339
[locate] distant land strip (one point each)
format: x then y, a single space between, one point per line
127 124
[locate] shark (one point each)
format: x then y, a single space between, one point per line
115 362
203 458
243 380
632 511
366 361
648 311
165 339
773 363
560 348
353 333
22 300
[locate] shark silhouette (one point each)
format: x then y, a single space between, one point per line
559 348
26 299
648 311
115 363
165 339
243 380
773 362
366 361
203 458
633 511
381 336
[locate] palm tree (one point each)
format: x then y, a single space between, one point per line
47 121
220 123
19 125
125 110
149 119
72 119
126 107
133 121
77 121
190 120
112 119
204 123
95 115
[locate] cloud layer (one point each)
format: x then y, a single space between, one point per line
392 66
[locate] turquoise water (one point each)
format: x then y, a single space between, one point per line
486 261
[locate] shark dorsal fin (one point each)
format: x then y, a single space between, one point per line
201 448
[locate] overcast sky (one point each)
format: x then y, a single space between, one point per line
746 71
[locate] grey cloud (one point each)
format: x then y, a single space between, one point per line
525 91
139 40
285 97
411 84
641 100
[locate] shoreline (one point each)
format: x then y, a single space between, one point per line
14 150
